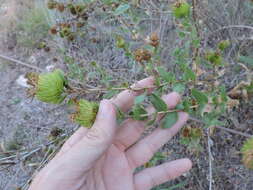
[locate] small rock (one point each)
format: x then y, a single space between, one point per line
22 81
50 67
32 60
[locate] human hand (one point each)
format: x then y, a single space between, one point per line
106 156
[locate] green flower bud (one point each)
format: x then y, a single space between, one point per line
80 8
181 9
42 45
50 87
214 57
120 43
72 9
247 153
223 45
86 113
65 31
93 63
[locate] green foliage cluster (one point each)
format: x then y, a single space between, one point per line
202 98
247 152
52 88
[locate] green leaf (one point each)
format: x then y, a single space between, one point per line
181 34
246 59
140 99
186 104
138 113
121 9
223 94
166 76
180 106
158 103
169 120
88 1
110 94
250 88
200 97
189 74
108 2
179 88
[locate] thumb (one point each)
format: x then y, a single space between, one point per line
99 138
103 130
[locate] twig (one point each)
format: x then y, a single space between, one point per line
37 68
230 27
20 63
7 163
210 157
196 25
10 157
47 158
224 128
26 154
234 131
164 112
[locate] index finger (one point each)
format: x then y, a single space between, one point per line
125 100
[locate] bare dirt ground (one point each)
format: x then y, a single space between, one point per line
25 125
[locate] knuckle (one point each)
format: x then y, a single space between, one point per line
98 136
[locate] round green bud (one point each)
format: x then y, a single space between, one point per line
72 9
65 31
50 87
80 8
247 153
86 113
42 45
223 45
120 43
181 9
214 57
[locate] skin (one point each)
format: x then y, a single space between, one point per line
106 156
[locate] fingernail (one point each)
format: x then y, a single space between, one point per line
106 108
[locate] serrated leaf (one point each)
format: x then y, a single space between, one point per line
187 105
200 97
140 99
121 9
158 103
166 76
189 74
179 88
139 113
110 94
246 59
223 94
180 106
169 120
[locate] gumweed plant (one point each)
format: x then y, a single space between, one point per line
247 153
204 96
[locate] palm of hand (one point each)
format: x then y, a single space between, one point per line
112 171
105 157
